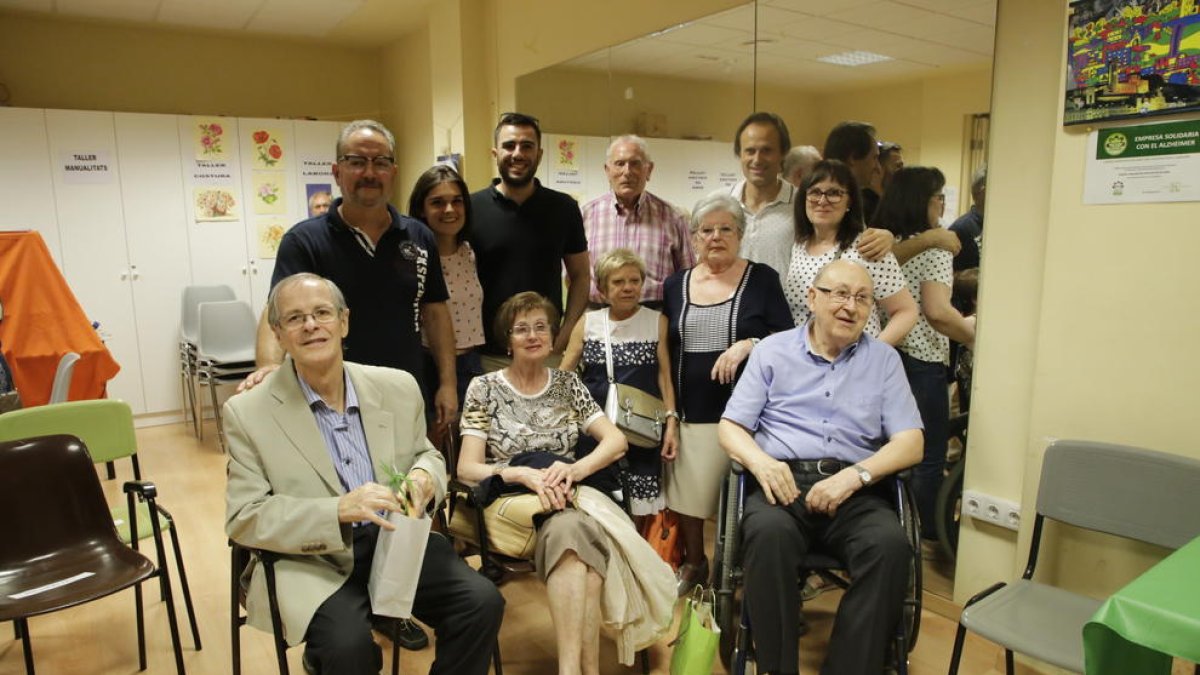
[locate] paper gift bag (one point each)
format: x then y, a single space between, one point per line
396 567
699 635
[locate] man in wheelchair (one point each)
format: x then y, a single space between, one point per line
820 415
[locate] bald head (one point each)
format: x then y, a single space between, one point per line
845 271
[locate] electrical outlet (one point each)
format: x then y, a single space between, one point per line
989 509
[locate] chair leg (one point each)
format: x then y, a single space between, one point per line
235 622
183 583
956 655
111 470
1008 662
499 669
22 629
645 662
165 575
395 636
212 388
17 633
141 627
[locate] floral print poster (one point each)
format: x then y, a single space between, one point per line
211 141
269 192
270 233
267 148
214 204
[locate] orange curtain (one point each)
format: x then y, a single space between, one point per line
42 321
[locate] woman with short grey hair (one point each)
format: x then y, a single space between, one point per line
716 312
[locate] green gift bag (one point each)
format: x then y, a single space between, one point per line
696 644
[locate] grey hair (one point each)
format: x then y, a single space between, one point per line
837 262
359 125
720 200
632 139
273 318
978 179
800 156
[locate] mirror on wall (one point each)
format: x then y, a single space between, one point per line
918 70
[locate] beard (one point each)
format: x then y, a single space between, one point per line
512 179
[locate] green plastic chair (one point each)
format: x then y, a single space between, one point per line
106 429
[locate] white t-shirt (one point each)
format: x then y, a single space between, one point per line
885 274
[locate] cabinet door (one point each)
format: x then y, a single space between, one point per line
25 184
156 230
87 194
216 237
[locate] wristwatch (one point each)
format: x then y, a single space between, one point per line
863 474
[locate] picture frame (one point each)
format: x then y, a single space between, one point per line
1131 59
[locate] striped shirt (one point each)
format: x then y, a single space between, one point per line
343 434
653 229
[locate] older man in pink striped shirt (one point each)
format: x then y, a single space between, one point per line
630 217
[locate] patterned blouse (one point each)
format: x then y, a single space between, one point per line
512 423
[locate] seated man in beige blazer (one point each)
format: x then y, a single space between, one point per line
304 452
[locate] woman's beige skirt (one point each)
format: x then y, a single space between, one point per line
693 480
570 530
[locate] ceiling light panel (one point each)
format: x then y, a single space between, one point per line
854 58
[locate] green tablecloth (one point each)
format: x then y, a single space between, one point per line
1144 624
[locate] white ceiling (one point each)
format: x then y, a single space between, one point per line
365 23
922 36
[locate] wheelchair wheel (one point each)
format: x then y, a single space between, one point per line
912 600
725 558
949 509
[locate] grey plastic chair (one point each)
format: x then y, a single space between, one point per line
1119 490
189 334
62 377
225 349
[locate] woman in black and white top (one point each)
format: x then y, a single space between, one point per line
913 204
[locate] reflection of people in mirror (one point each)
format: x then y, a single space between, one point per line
318 203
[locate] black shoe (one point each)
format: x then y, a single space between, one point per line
309 666
411 636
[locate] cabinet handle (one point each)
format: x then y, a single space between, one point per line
243 270
254 267
134 272
124 275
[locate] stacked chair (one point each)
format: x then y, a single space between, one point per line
225 350
189 337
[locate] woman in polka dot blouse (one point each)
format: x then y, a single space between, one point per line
913 204
829 223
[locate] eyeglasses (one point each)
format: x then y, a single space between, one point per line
841 296
358 163
709 232
524 329
833 195
321 315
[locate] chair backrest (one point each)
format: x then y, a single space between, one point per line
227 331
62 377
1129 492
189 317
35 527
106 426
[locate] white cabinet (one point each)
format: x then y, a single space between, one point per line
114 197
156 242
26 188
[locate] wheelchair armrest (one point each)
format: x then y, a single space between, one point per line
737 468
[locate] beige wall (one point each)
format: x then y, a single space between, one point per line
1072 343
64 64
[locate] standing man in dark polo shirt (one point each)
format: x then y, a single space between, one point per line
523 233
387 266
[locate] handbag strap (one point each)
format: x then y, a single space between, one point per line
608 359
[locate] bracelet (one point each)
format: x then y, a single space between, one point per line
671 413
754 342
